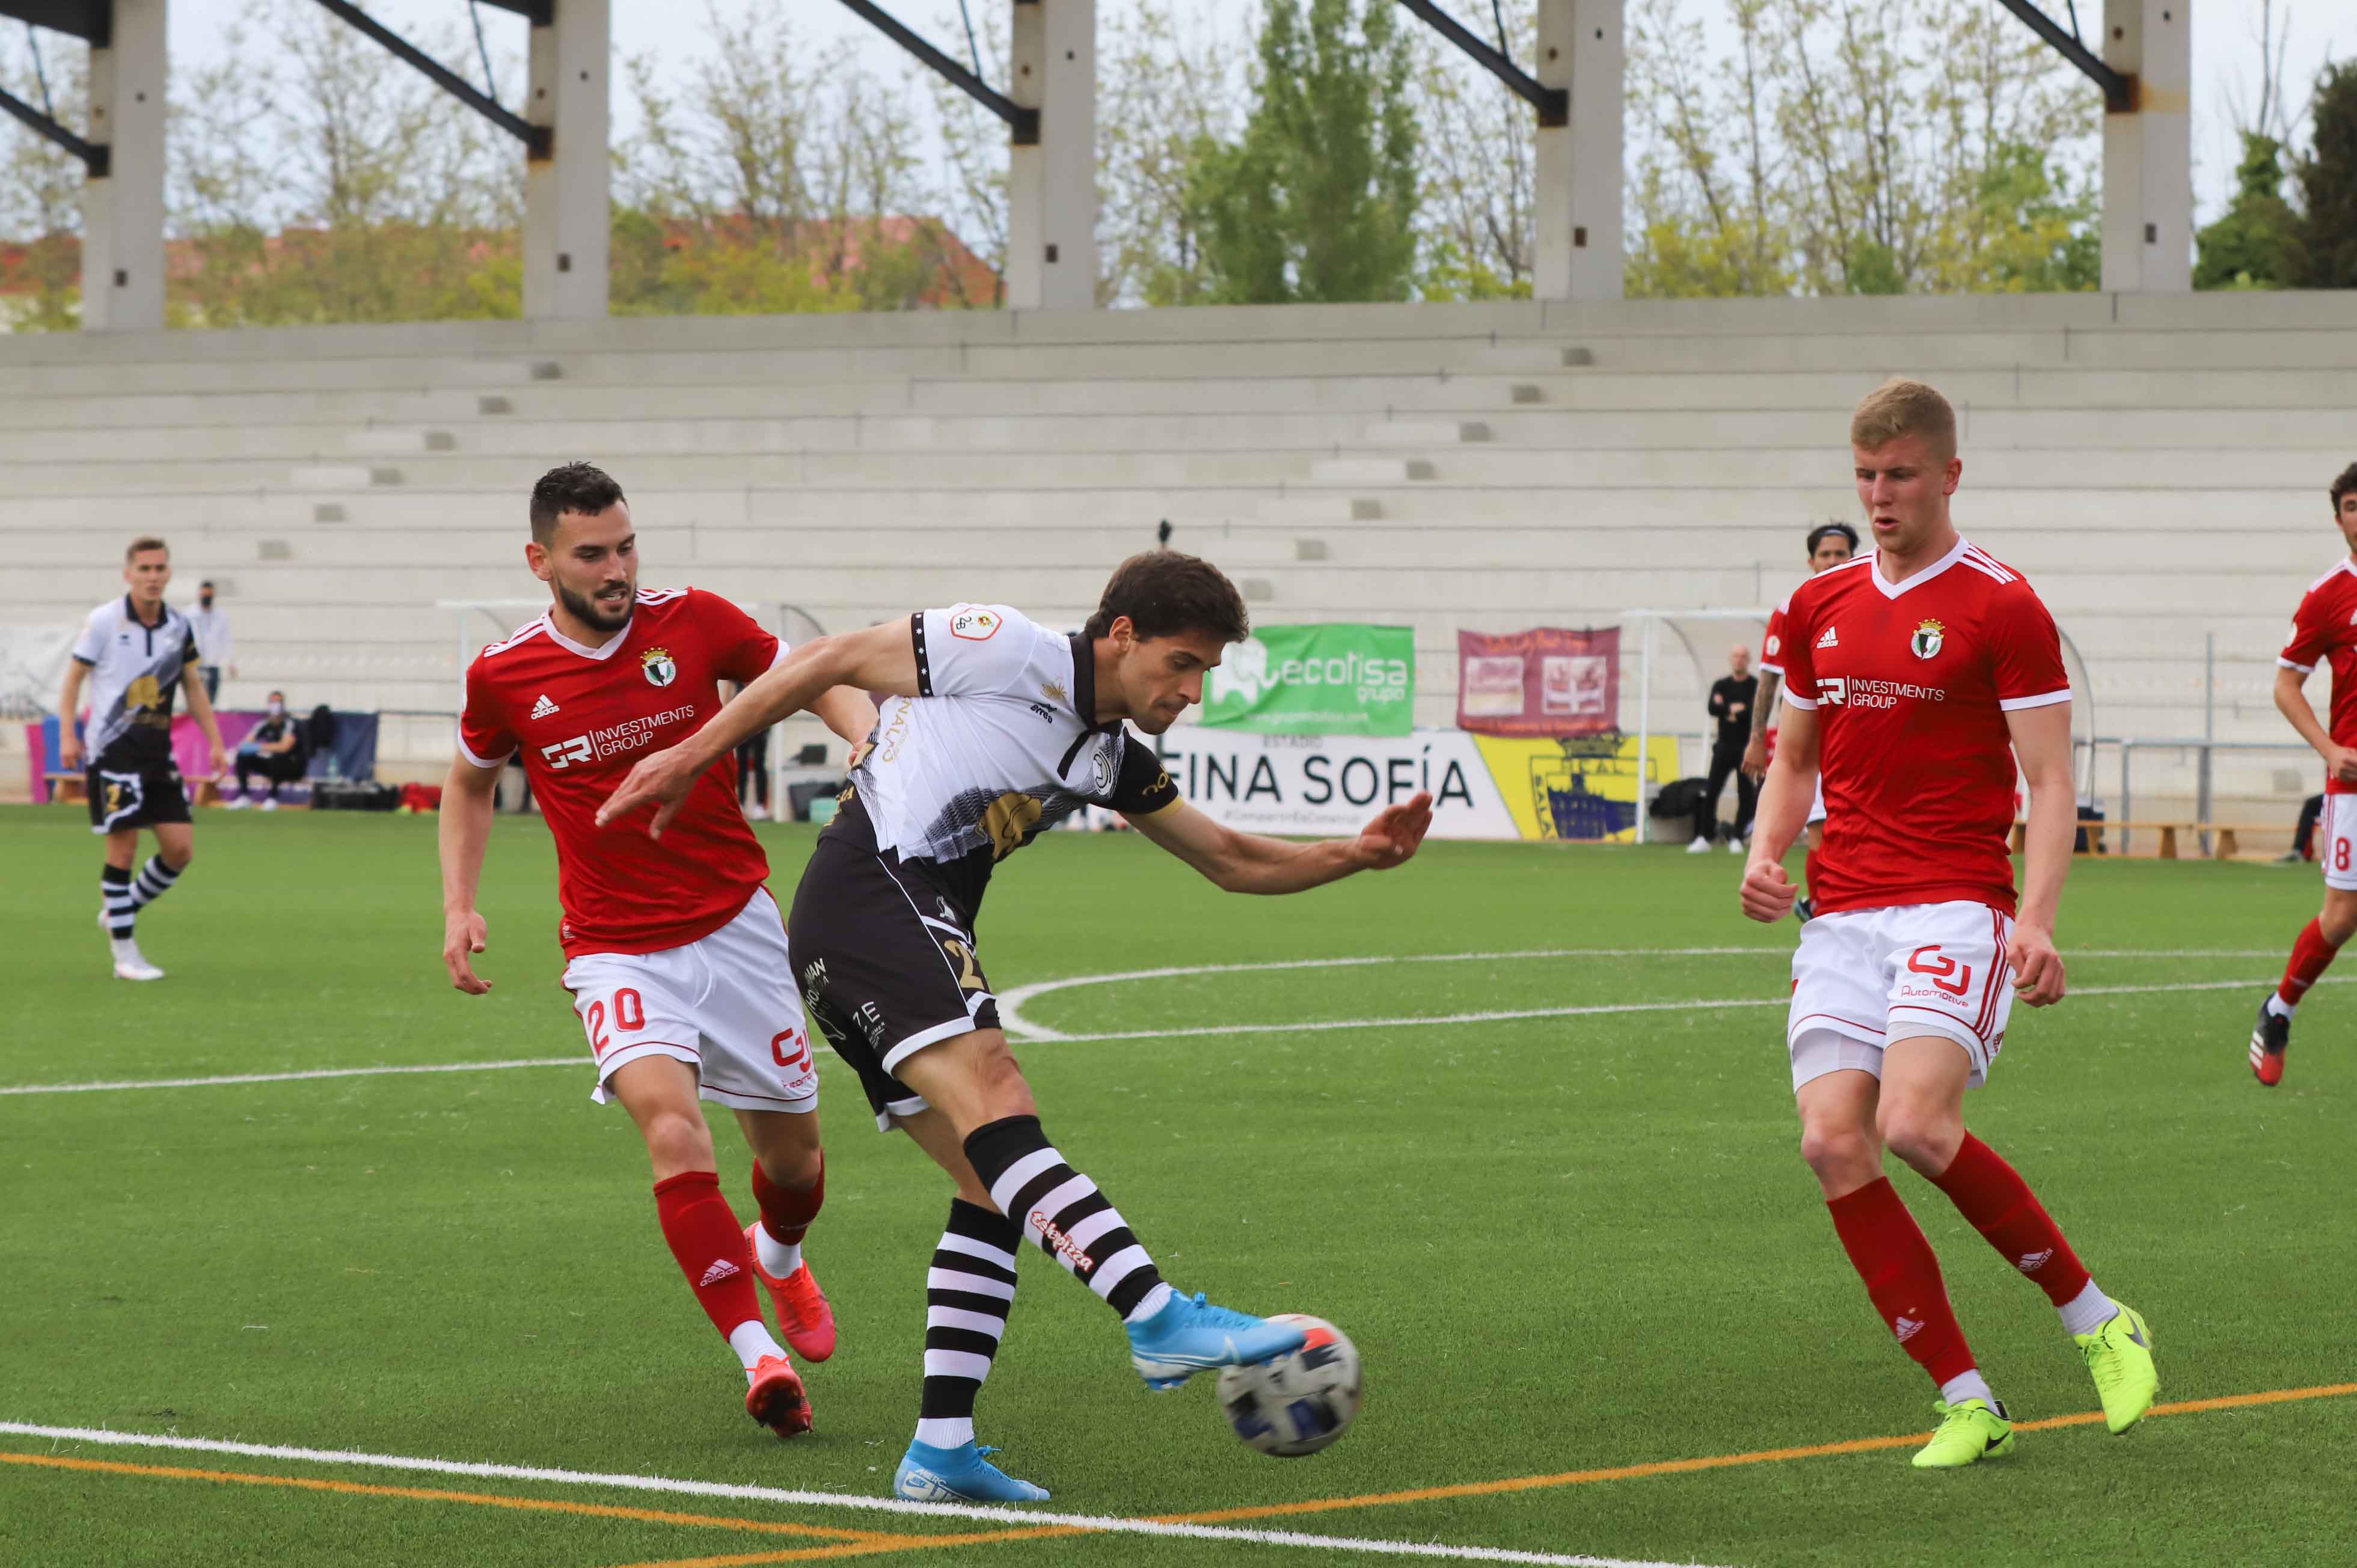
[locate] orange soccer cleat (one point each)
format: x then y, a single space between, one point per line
776 1398
803 1316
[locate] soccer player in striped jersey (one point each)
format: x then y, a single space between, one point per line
995 729
2324 631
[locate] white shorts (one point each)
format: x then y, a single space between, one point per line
2336 843
726 1006
1863 977
1818 805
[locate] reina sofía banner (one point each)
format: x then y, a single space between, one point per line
1482 787
1338 679
1545 682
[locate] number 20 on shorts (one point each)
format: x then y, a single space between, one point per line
629 1016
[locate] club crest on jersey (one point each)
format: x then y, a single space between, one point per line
974 624
1927 639
657 663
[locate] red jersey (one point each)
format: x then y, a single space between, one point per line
1911 685
2325 630
1771 662
582 716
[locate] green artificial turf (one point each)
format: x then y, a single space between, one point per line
1561 1244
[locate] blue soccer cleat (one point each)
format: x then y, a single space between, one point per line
1188 1337
960 1474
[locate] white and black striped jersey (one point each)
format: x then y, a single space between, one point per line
135 675
1001 742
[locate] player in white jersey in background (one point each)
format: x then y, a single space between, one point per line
995 729
138 653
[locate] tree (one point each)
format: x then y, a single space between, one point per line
1165 89
2327 184
1478 152
40 196
2255 243
1317 200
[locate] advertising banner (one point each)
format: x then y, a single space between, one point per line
1316 679
1482 787
1545 682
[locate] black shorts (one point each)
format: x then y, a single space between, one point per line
885 960
134 795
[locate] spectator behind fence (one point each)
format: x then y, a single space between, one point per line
215 650
275 750
1731 700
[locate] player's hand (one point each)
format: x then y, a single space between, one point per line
2038 977
219 758
2340 763
70 753
1755 758
661 781
462 936
1392 837
1767 893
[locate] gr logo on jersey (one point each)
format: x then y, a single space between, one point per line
657 663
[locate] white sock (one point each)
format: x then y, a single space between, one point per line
1153 1302
779 1259
2280 1007
946 1430
2088 1311
750 1339
1967 1386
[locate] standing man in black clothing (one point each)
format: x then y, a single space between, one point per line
1732 698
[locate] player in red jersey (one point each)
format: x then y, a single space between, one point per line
2324 631
1914 676
677 954
1829 545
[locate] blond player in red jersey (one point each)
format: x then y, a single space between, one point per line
2323 632
676 955
1913 678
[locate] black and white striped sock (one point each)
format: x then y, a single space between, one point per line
1063 1211
969 1291
116 896
155 879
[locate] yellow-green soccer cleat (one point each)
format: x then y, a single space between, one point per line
1969 1429
2119 1354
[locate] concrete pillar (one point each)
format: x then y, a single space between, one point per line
1051 186
2148 152
123 214
565 217
1581 49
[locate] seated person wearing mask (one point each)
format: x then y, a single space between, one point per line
275 750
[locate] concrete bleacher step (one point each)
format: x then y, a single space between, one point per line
1316 508
1369 471
1425 432
1535 357
342 477
399 443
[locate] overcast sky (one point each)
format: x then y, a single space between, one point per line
2225 45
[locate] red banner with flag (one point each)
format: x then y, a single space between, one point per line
1547 682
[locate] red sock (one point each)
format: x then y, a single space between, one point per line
786 1211
710 1246
1992 1195
2310 957
1903 1276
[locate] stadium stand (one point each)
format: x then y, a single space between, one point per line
2156 463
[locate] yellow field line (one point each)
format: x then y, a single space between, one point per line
479 1500
1719 1461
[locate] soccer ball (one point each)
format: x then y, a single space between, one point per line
1299 1404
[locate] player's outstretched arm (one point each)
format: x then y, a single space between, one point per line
1247 862
1783 810
880 659
69 708
2041 740
848 712
464 827
200 708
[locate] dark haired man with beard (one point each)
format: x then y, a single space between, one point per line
994 730
676 956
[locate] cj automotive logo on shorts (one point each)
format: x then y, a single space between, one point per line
615 739
1862 692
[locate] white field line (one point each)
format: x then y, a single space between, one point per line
1107 1524
1025 1033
